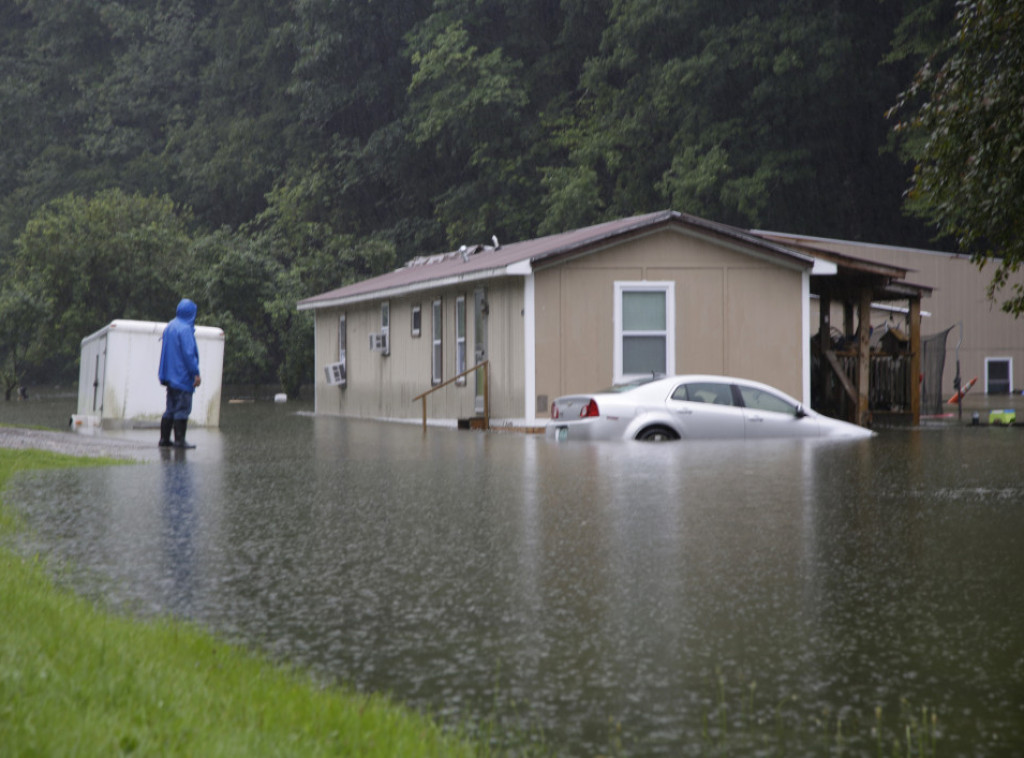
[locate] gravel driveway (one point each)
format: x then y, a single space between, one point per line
72 443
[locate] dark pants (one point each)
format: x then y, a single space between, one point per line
179 404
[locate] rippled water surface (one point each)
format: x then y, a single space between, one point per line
665 596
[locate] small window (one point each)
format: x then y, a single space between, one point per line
460 338
416 320
998 376
385 317
704 392
436 374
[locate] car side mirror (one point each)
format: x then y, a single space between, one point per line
800 412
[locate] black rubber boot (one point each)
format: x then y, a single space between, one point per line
165 432
180 425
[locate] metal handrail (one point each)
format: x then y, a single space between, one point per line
487 409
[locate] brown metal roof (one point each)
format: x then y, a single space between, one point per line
484 262
888 282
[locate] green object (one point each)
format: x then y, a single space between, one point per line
1004 417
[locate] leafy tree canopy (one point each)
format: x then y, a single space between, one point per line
963 121
82 262
317 142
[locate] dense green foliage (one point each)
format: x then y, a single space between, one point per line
279 149
964 114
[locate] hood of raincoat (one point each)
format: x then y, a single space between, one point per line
187 311
179 353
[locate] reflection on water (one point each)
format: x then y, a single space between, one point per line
581 584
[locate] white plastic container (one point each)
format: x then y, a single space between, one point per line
118 386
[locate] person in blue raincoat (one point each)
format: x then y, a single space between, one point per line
179 373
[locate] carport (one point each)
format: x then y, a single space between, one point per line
849 377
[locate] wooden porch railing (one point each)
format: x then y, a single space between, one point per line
487 405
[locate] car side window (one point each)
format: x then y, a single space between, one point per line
765 401
704 392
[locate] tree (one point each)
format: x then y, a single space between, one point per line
465 105
961 122
767 114
83 262
248 281
19 351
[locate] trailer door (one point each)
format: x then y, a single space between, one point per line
99 370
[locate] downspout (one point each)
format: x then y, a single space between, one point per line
530 348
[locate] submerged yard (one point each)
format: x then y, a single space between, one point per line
692 599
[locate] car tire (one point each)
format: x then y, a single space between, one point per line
657 434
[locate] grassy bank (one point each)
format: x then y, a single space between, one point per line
75 680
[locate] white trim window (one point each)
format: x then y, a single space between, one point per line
998 376
416 320
460 338
436 374
336 373
343 348
645 329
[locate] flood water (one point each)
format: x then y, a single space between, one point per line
622 598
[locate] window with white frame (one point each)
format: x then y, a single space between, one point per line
998 376
416 320
337 373
644 329
343 340
436 334
460 337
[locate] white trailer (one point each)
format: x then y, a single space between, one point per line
117 379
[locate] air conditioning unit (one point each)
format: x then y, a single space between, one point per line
379 343
336 374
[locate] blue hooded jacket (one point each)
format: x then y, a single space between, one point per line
179 354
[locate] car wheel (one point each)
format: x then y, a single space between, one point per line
657 434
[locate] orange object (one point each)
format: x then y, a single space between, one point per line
963 391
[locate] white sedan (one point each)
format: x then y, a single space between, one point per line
695 406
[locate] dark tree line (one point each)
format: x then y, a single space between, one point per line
249 153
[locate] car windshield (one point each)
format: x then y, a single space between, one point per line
631 385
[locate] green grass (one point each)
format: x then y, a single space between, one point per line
78 681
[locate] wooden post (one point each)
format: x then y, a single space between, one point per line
848 319
864 358
915 360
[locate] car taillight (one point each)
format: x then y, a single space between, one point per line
554 410
590 409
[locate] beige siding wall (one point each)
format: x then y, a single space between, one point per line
384 386
735 314
506 348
